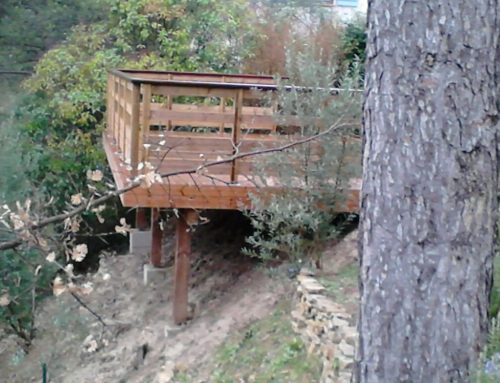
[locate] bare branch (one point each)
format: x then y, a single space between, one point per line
136 183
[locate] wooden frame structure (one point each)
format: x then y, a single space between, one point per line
172 122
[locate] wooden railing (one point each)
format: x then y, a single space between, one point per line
181 120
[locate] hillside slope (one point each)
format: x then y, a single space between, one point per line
139 343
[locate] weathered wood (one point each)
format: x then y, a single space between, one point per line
174 91
156 238
146 116
238 109
430 189
207 77
198 192
119 116
225 186
135 130
182 265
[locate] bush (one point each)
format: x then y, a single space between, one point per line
296 222
24 283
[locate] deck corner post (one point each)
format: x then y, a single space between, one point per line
156 238
182 265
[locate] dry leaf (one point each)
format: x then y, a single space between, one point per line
100 218
16 220
124 228
51 257
58 286
90 344
95 175
151 178
76 199
69 269
86 288
4 300
79 252
42 242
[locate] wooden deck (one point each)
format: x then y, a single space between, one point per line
169 123
179 121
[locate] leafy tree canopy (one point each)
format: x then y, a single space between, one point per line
29 27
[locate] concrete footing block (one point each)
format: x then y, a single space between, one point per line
140 242
153 274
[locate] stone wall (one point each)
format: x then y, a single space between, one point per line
326 329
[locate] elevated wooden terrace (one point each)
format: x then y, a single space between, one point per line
172 122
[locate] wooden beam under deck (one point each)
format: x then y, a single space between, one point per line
156 238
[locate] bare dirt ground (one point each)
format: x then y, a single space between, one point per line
139 342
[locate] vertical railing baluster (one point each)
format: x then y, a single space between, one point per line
146 111
109 106
134 129
123 121
238 109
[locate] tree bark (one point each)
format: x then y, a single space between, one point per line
430 186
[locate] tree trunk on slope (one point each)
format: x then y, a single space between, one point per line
430 184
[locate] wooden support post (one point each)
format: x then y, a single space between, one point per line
182 264
141 221
156 238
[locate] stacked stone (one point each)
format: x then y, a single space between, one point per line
326 328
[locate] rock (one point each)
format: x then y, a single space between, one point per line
307 272
310 285
325 328
344 363
337 323
346 349
166 374
350 334
325 304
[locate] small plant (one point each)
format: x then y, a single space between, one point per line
268 351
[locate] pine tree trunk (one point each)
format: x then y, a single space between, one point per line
430 185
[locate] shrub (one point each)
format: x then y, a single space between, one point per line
296 222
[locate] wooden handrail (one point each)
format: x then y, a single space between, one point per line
138 105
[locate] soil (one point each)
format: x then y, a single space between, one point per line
139 342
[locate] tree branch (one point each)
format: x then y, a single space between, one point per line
6 245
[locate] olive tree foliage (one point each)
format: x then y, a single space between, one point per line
297 220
